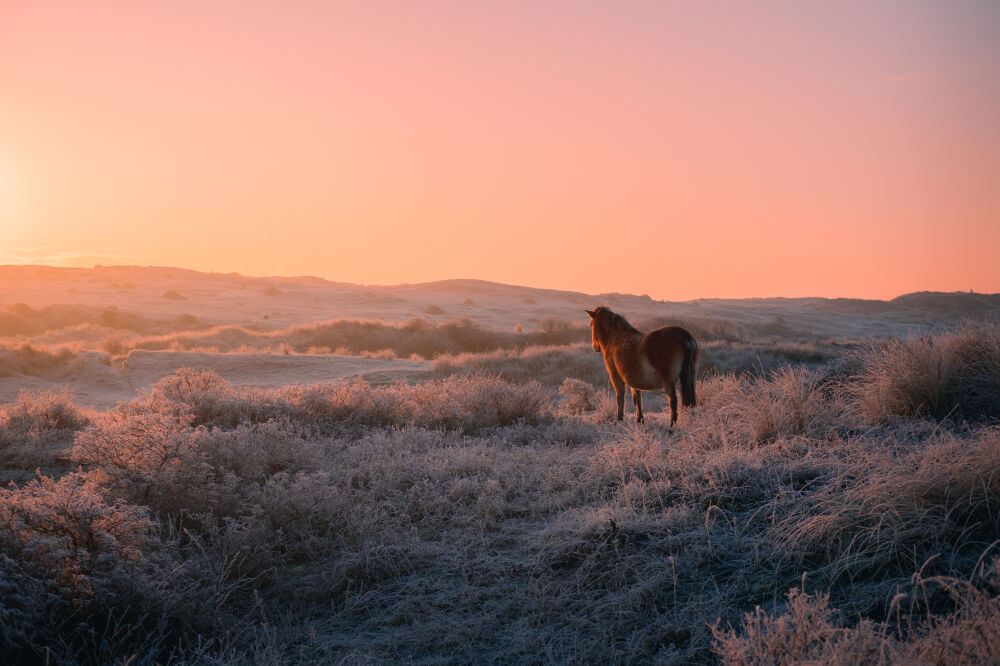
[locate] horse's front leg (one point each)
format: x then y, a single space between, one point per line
637 401
619 385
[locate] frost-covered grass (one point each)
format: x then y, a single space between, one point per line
483 516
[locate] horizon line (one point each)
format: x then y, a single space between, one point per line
971 292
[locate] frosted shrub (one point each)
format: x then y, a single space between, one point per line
37 415
474 403
255 452
38 429
466 403
188 386
203 398
157 460
73 536
73 568
305 506
149 458
577 395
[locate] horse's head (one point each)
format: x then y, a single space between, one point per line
594 316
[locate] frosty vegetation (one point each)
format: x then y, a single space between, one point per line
823 504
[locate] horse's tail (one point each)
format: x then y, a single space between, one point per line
688 371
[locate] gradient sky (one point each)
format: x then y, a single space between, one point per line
683 150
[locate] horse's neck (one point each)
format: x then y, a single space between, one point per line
624 335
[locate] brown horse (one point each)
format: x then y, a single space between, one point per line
646 362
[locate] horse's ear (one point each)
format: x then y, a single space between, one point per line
592 313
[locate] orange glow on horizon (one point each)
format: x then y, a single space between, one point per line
683 151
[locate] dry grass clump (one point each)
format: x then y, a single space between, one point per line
808 630
891 507
969 633
669 538
789 402
955 375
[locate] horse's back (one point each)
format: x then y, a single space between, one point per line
665 349
667 340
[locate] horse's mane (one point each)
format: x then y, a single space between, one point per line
609 322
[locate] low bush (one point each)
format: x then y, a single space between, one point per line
195 444
76 579
21 320
27 360
38 428
417 337
549 365
468 403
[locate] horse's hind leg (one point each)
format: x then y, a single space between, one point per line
671 390
637 401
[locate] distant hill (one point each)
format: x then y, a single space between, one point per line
147 299
956 302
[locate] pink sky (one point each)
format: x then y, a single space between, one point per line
682 150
